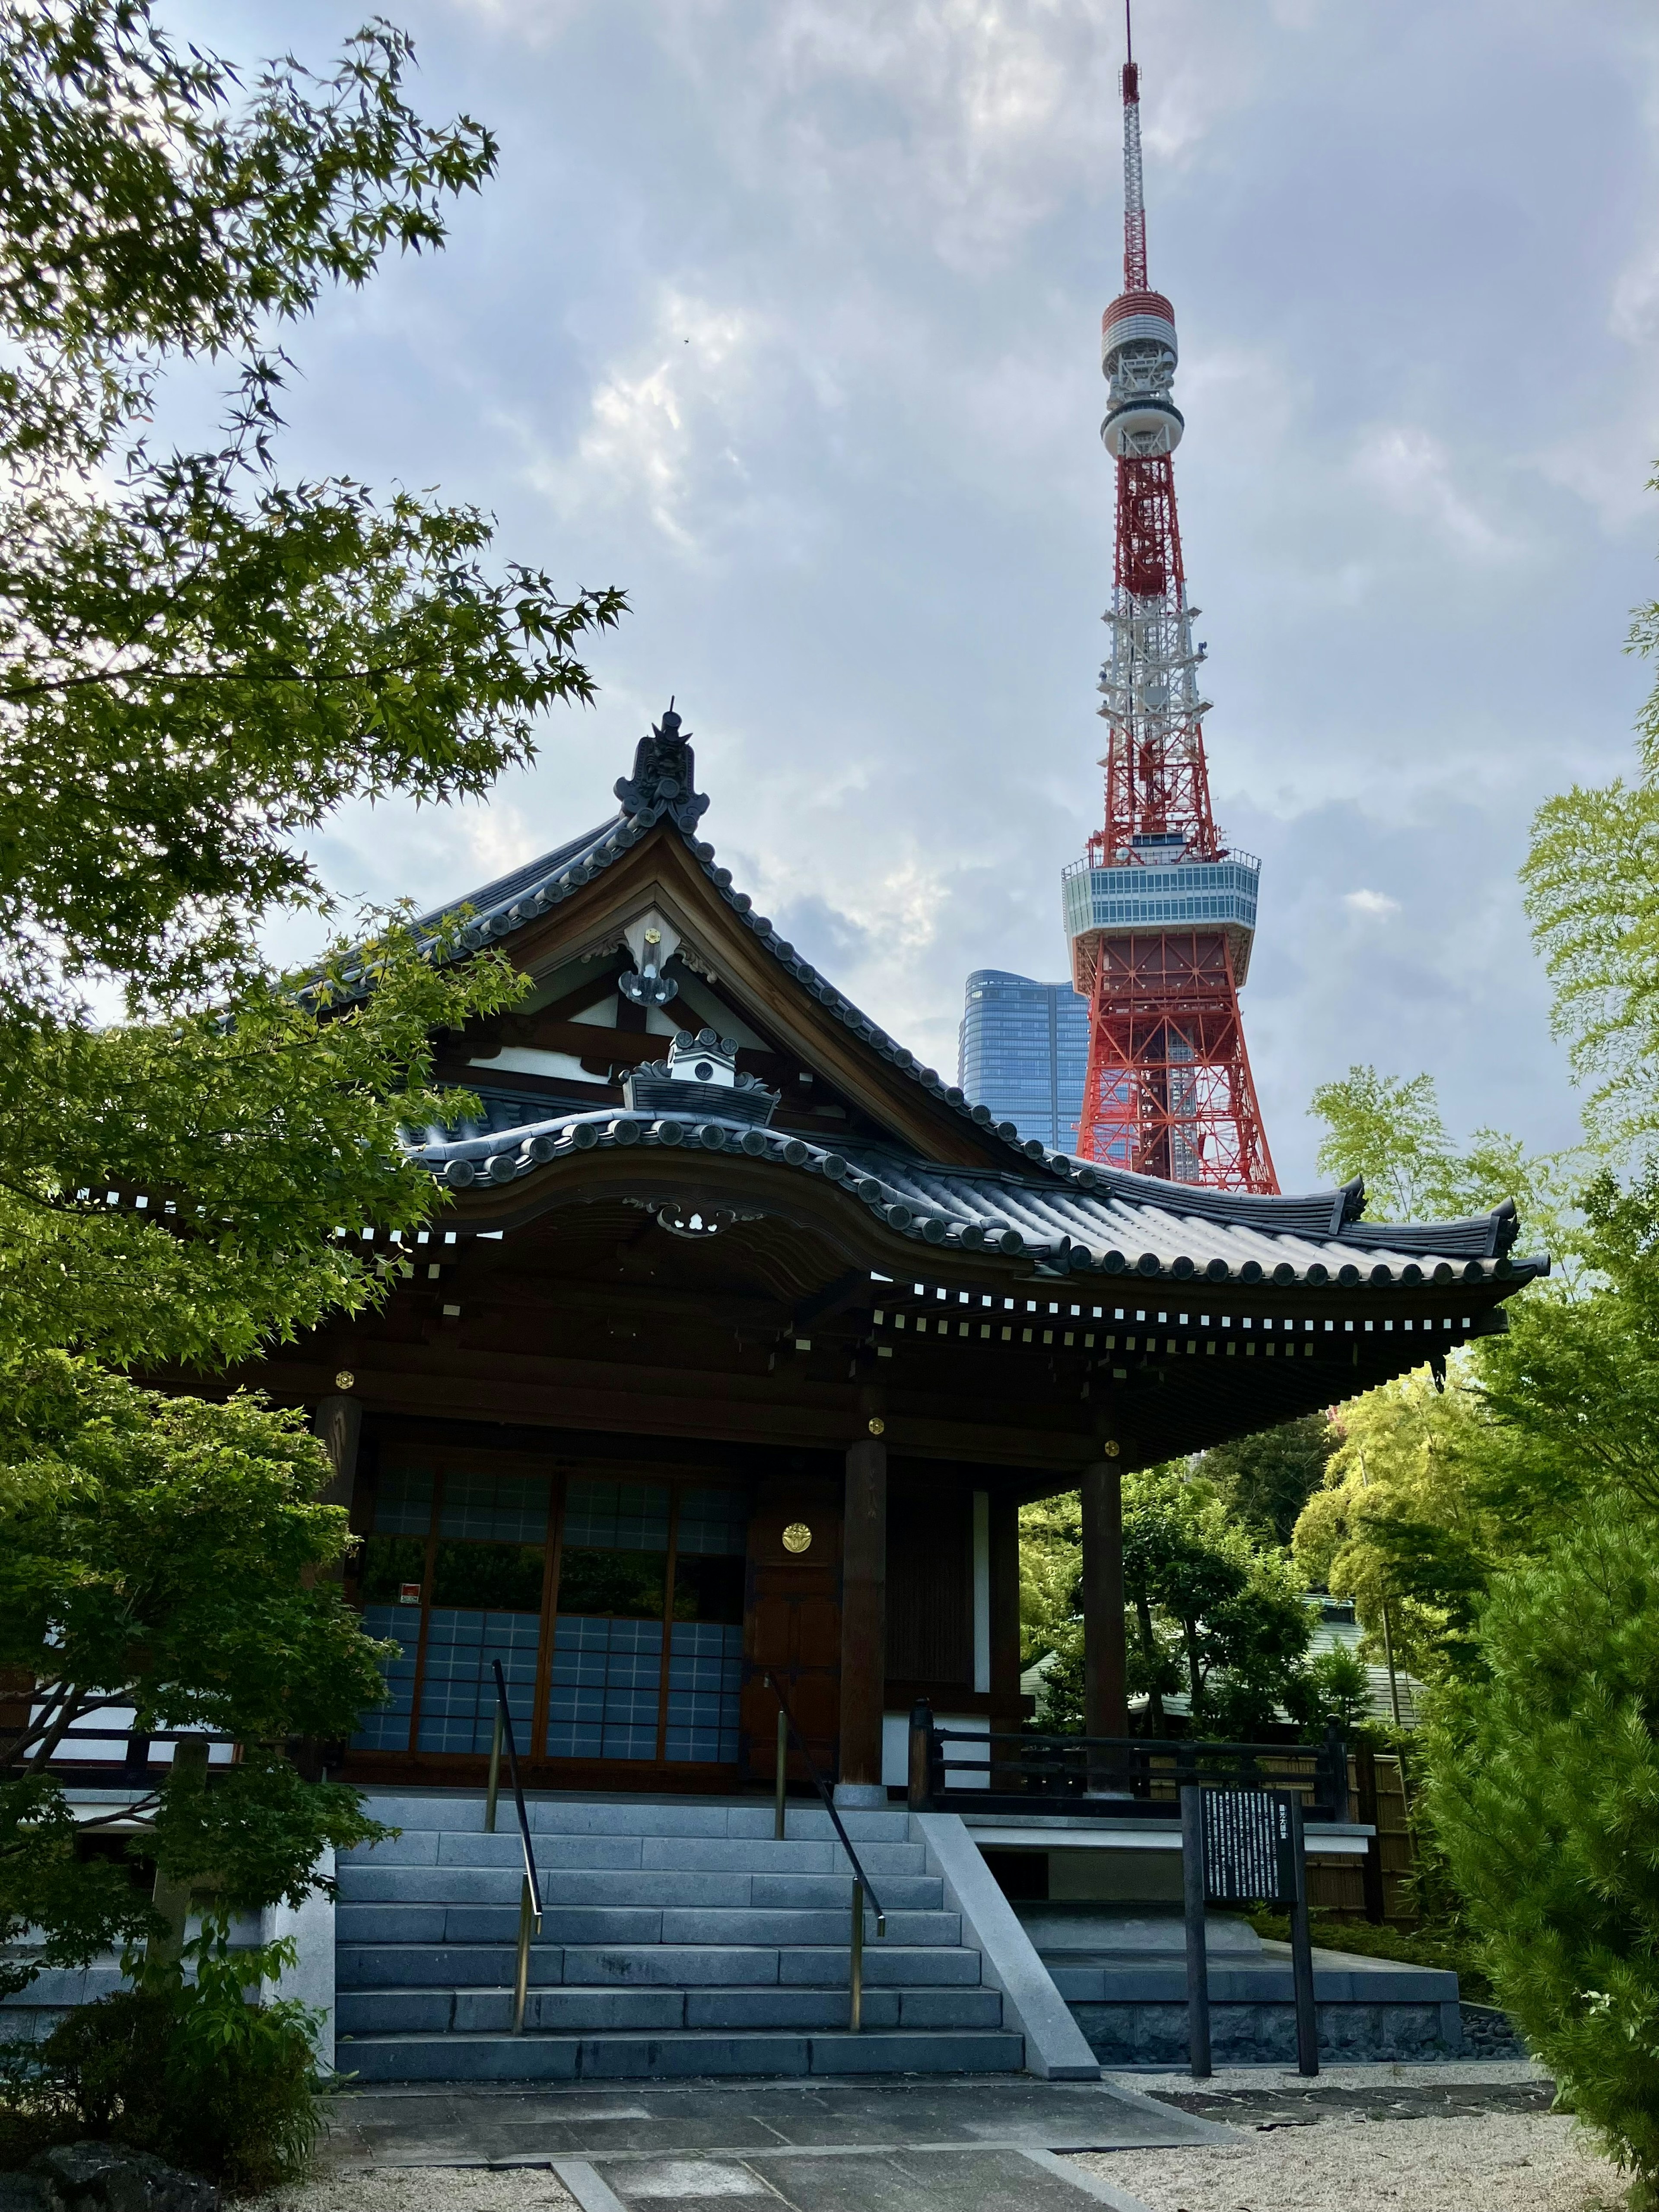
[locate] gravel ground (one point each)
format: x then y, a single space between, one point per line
1345 2162
422 2188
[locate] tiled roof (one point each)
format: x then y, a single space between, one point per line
1074 1219
1070 1213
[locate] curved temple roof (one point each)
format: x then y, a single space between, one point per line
1068 1215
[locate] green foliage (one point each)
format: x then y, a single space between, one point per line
258 1133
1050 1560
1342 1692
1591 879
1390 1131
78 1909
162 1554
1214 1613
1268 1478
183 2065
1544 1789
1574 1388
198 660
1211 1614
1401 1520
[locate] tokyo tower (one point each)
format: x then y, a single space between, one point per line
1159 913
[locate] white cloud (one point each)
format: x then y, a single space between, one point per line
865 522
1410 471
665 426
1633 312
498 839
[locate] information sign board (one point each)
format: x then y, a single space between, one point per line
1245 1847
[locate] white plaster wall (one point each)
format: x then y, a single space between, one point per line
896 1747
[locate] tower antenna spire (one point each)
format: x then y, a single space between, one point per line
1160 914
1134 200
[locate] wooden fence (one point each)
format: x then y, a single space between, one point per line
1350 1889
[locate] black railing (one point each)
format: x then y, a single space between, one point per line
1111 1777
862 1886
134 1762
529 1894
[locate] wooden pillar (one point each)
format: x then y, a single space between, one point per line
863 1623
337 1424
1005 1628
1105 1688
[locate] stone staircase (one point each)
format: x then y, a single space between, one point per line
1123 1970
679 1938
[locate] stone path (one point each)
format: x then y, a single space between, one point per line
1457 2137
440 2124
920 2144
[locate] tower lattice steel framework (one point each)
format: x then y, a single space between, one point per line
1159 912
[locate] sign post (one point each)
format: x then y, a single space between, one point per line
1244 1847
1195 1898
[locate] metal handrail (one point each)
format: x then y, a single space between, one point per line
530 1895
862 1886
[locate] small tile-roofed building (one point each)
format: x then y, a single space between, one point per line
746 1336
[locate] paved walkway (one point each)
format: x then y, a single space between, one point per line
906 2145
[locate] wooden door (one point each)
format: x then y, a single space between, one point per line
792 1625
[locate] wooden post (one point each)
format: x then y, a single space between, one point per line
1194 1900
1366 1774
337 1424
1004 1533
921 1758
172 1899
1105 1688
864 1621
1301 1972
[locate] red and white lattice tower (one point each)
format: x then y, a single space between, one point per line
1159 912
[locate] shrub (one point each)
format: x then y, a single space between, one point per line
1543 1788
185 2067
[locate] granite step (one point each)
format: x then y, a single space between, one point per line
570 2008
437 1847
408 1965
363 1883
1124 1978
460 1815
588 1923
677 1938
677 2054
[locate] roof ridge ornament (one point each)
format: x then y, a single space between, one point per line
664 778
700 1075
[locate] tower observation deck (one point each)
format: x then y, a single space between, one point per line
1160 914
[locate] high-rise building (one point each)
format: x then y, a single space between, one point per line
1023 1052
1160 911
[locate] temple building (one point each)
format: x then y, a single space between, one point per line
746 1336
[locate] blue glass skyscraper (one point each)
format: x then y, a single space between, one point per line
1024 1053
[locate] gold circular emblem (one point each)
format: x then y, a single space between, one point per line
797 1536
877 1426
344 1379
1111 1448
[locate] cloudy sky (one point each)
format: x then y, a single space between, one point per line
783 315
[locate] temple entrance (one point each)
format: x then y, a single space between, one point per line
793 1629
612 1593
